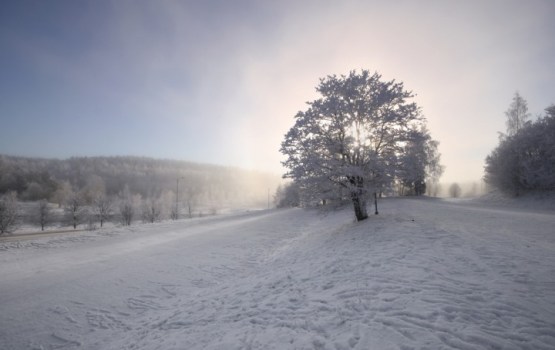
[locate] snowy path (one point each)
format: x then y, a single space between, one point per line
424 274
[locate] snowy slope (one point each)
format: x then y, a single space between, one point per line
424 274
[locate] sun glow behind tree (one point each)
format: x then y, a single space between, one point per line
350 141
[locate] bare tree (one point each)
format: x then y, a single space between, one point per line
193 190
169 205
9 213
127 212
102 207
174 212
127 205
43 213
152 210
74 209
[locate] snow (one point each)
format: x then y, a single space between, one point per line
424 274
539 201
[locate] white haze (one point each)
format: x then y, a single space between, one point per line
219 83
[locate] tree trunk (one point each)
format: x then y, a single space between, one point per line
359 205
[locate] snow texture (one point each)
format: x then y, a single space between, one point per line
424 274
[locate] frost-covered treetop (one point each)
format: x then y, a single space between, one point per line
351 137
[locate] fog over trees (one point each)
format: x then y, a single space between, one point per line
360 138
100 188
455 190
287 195
517 115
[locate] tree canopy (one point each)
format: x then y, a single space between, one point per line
517 114
353 140
525 161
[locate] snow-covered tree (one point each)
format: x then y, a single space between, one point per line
102 207
287 196
9 212
419 162
75 210
151 210
526 160
43 214
170 207
126 211
127 205
192 191
517 114
351 138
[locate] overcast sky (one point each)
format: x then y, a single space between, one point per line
220 81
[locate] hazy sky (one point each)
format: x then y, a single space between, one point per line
220 81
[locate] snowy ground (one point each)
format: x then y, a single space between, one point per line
424 274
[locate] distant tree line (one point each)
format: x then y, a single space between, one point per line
524 159
93 190
37 178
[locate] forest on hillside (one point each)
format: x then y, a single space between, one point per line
164 186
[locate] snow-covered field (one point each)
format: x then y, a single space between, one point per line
424 274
